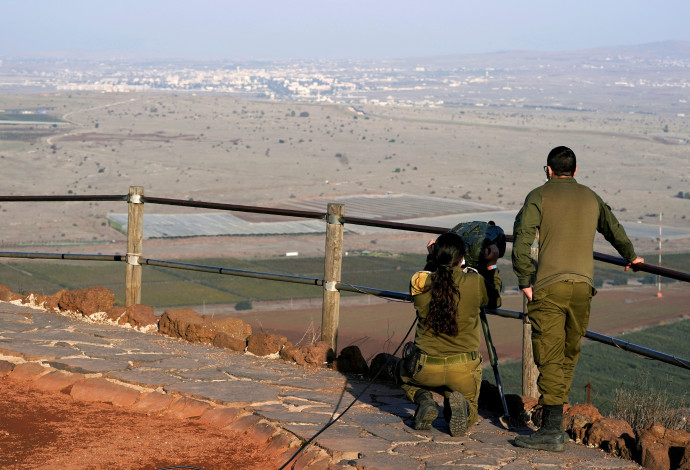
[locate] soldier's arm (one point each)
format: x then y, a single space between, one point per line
524 232
614 232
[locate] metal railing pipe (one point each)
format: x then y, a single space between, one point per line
66 198
67 256
234 207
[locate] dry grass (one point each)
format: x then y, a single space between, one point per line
642 404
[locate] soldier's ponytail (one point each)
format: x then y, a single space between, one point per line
448 253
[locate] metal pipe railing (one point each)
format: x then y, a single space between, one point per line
400 296
642 267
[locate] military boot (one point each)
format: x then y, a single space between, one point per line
455 409
549 436
427 410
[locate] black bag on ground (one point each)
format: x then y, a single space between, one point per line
410 354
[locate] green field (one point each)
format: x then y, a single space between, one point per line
608 368
166 287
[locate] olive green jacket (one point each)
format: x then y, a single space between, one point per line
476 291
565 216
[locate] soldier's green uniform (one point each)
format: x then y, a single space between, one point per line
566 215
452 363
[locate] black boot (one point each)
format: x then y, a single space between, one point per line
427 410
455 410
549 436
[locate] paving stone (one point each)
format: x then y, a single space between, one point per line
57 381
342 400
393 434
517 464
206 374
254 373
87 365
29 371
184 407
99 352
141 359
369 417
33 351
234 391
100 390
343 447
300 382
153 402
153 378
220 417
49 335
384 460
285 416
336 431
176 363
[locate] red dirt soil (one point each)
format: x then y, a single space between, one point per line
43 430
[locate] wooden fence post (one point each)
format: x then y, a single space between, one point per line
529 368
135 236
330 313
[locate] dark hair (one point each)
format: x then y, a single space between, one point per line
449 250
562 161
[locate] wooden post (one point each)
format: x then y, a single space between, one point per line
529 368
135 236
330 313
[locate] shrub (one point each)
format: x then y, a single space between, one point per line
640 404
243 305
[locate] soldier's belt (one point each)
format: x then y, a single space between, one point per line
464 357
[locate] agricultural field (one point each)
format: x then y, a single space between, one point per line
608 369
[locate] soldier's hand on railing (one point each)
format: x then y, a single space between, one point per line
637 260
528 293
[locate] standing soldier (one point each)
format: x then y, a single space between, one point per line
566 215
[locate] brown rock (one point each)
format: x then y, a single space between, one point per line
57 381
138 316
318 354
184 408
233 327
5 368
577 419
87 301
115 313
188 324
222 340
6 293
351 361
613 435
314 355
262 344
153 402
288 352
175 323
659 447
101 390
49 302
220 417
29 371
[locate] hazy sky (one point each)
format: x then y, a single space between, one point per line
276 29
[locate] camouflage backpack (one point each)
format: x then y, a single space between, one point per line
478 236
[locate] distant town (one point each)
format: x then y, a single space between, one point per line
653 76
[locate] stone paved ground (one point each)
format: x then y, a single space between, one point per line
273 398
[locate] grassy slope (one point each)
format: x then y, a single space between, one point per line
608 368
